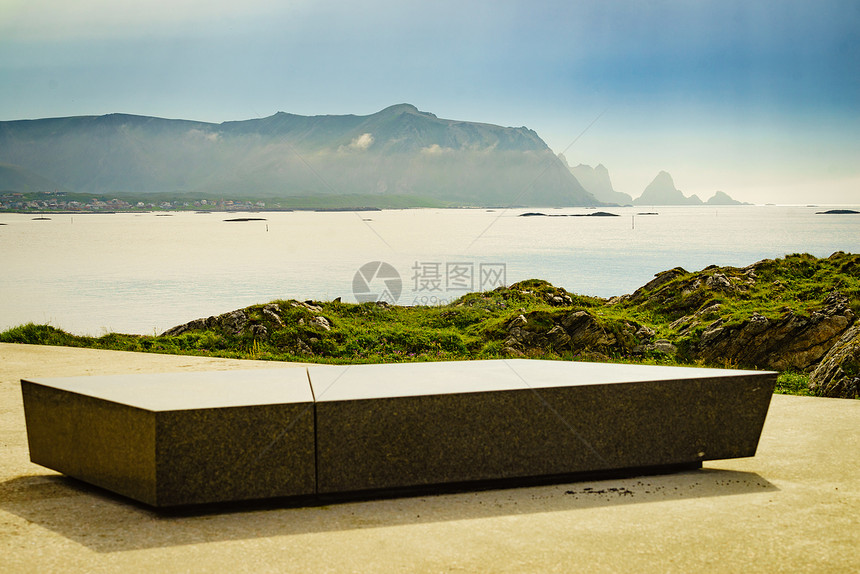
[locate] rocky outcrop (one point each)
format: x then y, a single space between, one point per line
567 331
294 325
791 342
233 323
774 314
838 374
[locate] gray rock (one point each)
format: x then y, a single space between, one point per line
558 337
233 322
585 331
270 312
659 280
664 346
720 282
838 374
320 322
260 332
790 342
645 333
658 346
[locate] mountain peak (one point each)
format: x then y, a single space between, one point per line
662 191
723 198
596 181
663 179
400 109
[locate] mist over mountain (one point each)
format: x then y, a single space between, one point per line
16 178
595 180
399 150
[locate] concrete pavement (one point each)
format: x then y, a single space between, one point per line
794 507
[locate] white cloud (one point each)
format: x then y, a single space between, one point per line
361 143
200 134
436 149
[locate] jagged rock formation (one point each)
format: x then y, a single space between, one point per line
838 373
789 342
662 191
596 182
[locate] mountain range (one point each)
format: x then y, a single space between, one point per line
661 190
397 151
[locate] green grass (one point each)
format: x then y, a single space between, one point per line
790 383
476 326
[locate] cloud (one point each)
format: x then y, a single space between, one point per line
200 134
436 149
360 143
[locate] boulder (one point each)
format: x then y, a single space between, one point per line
659 280
838 374
233 323
270 312
585 332
259 332
320 322
790 342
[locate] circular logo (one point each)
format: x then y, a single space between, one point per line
377 281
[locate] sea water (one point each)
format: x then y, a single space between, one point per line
144 273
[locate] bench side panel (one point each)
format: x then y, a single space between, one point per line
101 442
236 453
412 441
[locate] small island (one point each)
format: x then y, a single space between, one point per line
837 212
595 214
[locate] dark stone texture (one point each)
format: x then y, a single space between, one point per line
250 435
101 442
194 438
397 426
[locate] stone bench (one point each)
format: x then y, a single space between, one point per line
189 438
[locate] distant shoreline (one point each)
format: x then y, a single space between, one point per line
199 211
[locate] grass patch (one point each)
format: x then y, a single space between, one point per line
479 325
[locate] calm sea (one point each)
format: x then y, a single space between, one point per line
144 273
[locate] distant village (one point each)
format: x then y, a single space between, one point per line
59 201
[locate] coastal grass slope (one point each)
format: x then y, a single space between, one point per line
796 315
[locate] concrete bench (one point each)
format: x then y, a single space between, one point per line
189 438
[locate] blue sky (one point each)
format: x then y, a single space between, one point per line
758 99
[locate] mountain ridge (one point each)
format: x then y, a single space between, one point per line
397 150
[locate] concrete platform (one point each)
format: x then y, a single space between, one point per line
794 507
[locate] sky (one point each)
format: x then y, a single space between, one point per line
758 99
